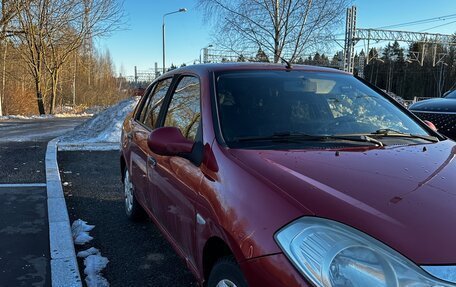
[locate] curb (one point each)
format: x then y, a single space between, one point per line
64 266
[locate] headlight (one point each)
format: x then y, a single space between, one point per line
331 254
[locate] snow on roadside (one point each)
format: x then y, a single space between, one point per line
101 132
93 261
35 117
80 231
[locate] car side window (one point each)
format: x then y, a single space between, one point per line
184 109
150 112
143 104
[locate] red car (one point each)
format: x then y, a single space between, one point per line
275 175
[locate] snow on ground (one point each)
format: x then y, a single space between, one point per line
93 261
61 112
102 131
80 231
35 117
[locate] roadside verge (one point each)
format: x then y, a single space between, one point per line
64 266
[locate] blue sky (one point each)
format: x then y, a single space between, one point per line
140 44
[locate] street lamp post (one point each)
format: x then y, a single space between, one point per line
163 33
208 46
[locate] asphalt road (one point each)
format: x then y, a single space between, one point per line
36 129
138 254
24 230
23 146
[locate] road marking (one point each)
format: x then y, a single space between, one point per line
14 185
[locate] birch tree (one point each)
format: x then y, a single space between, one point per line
282 28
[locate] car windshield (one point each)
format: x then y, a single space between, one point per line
451 95
274 105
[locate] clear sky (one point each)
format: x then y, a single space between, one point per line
140 44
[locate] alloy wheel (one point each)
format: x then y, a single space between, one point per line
226 283
128 190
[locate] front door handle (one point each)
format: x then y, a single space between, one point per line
152 162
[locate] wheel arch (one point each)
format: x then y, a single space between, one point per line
214 249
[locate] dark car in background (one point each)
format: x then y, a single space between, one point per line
270 175
440 111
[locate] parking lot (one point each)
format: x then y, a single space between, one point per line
138 254
24 229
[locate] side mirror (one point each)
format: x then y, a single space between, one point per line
431 125
168 141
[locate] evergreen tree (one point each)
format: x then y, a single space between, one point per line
300 61
261 56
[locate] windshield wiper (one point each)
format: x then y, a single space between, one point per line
394 133
300 137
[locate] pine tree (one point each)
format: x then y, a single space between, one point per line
261 56
241 58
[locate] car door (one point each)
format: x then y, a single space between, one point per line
142 126
177 178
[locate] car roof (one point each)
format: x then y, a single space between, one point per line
220 67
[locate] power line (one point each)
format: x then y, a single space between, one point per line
438 26
418 22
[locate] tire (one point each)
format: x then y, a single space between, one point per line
226 273
133 209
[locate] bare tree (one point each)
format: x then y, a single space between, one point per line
76 21
8 13
54 29
283 28
31 18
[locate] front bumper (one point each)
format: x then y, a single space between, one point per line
272 271
277 271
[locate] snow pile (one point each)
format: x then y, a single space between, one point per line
88 252
93 261
80 231
100 132
40 117
60 112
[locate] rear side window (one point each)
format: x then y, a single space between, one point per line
184 109
151 109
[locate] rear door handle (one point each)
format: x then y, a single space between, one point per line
152 162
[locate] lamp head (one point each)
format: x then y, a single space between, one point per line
183 10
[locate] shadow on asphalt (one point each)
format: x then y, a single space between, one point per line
138 254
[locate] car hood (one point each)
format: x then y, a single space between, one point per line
404 196
435 105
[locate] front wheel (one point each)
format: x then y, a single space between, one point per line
133 209
226 273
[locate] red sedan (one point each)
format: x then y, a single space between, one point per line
275 175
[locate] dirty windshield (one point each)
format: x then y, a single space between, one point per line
263 104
